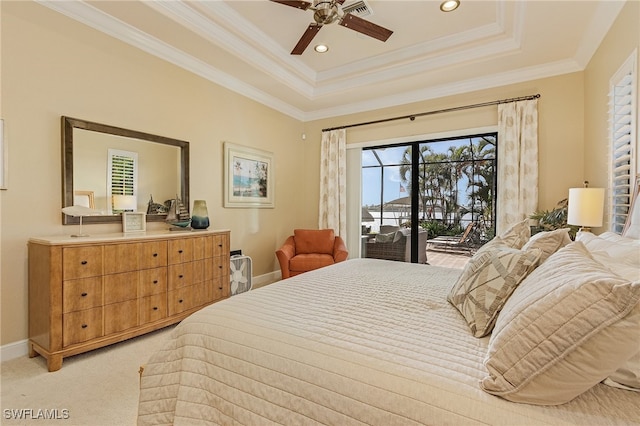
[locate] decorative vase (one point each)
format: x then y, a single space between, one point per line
200 215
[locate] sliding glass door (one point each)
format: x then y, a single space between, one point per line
437 188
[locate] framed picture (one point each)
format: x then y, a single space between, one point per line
134 222
249 177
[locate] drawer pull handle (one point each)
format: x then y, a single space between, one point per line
84 295
84 326
155 308
220 288
180 276
155 254
155 281
84 262
180 301
180 251
219 245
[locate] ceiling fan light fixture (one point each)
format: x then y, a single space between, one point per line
326 12
321 48
449 5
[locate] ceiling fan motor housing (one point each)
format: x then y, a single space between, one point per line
326 12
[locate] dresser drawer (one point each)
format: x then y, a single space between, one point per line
180 251
202 248
121 287
81 262
80 294
153 281
153 308
186 298
180 275
80 326
221 265
120 258
153 254
220 287
220 245
120 316
199 270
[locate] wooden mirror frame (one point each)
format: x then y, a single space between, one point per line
68 124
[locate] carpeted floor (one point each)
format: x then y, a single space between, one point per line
96 388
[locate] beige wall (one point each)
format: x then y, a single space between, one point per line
614 50
60 67
560 112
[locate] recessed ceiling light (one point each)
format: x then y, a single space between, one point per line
321 48
449 5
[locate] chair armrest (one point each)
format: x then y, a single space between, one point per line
340 251
284 254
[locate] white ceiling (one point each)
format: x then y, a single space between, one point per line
244 46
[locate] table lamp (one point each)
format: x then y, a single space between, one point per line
80 211
585 207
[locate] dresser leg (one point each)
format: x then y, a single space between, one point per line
54 362
32 352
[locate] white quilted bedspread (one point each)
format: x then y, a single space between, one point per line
361 342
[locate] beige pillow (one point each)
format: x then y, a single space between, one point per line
549 242
487 281
568 325
517 235
627 376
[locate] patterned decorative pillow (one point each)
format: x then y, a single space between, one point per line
487 281
549 242
569 325
517 235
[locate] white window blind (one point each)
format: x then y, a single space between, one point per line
122 176
623 141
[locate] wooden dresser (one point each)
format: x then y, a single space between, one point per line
89 292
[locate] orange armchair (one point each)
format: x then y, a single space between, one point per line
310 249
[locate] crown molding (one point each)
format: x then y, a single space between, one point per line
461 87
95 18
601 22
303 80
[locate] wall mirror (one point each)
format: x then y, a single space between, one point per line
161 170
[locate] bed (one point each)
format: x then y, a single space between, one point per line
365 341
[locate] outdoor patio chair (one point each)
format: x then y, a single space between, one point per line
458 242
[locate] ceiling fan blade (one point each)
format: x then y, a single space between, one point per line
365 27
306 38
304 5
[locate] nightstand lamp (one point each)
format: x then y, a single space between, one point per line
80 211
585 207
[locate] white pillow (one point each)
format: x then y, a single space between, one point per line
549 242
569 325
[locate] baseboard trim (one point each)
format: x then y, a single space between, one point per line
14 350
264 279
21 348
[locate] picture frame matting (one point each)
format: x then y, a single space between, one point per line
249 177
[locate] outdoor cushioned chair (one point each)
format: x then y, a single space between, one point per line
309 249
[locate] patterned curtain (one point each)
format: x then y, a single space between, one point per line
333 188
517 196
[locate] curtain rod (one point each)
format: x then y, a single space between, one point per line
413 116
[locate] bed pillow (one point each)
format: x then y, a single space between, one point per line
569 325
549 242
517 235
626 376
487 281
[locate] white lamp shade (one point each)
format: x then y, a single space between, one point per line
125 202
586 207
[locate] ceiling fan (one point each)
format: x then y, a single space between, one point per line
330 11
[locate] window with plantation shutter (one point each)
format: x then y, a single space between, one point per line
623 139
123 174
